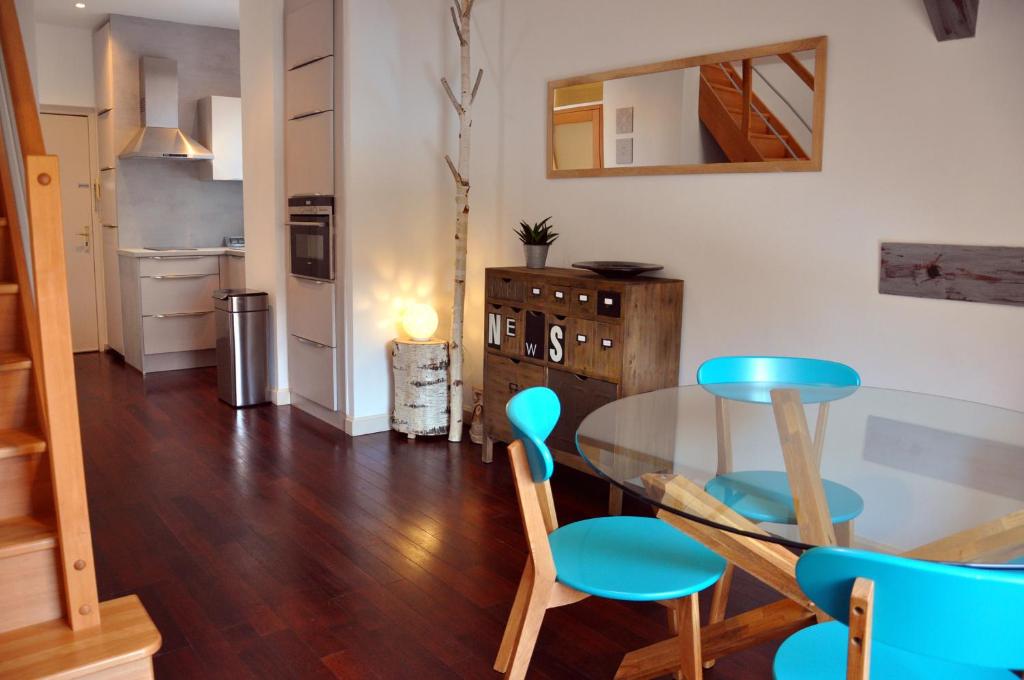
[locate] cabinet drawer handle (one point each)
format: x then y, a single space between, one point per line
178 276
559 295
608 302
175 257
584 298
314 343
580 338
513 387
535 291
178 314
605 342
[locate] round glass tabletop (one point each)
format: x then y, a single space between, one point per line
899 472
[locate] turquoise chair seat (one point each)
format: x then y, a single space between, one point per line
632 558
765 496
819 653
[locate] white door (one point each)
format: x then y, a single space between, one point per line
67 137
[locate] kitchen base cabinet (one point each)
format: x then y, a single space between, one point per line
592 340
167 310
312 368
112 289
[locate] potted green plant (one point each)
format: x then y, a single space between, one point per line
536 241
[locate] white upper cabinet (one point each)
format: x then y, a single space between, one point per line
309 33
103 60
105 140
220 129
309 88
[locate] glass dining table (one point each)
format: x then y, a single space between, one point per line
759 472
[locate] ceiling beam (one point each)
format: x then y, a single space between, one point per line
953 19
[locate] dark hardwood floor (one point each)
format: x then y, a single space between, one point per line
266 544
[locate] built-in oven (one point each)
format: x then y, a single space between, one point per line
311 236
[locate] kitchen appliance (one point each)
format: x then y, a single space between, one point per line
311 237
159 136
234 242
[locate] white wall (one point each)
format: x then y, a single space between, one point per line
784 263
398 209
262 74
657 101
64 65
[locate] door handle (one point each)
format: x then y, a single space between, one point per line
85 232
177 314
309 342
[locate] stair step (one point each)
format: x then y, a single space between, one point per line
20 443
14 361
8 288
21 535
124 643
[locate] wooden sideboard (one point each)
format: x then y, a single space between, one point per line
590 339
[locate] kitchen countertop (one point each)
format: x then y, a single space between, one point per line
143 252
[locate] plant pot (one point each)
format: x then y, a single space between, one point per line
536 256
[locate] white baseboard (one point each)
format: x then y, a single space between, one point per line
281 397
367 424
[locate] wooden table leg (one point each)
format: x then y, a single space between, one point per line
995 541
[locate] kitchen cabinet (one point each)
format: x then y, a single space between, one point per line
103 68
312 367
220 129
167 303
311 310
112 288
308 33
232 271
309 155
309 89
108 197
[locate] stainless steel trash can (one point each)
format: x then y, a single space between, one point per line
241 319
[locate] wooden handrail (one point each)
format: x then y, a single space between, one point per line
26 115
799 69
45 311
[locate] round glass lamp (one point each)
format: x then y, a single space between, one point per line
419 321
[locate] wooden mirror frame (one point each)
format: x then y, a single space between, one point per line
813 164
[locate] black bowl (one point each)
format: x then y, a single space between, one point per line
613 269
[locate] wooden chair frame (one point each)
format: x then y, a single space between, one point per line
539 590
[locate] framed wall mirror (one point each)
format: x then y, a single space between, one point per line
759 109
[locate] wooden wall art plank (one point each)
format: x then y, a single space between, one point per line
993 274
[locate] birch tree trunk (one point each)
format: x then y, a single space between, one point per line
464 107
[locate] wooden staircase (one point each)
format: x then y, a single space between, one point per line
744 127
52 624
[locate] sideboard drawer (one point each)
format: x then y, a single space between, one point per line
178 332
505 288
557 297
583 302
174 293
607 350
581 343
503 378
580 396
536 293
161 265
609 303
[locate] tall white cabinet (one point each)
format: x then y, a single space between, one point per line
315 358
103 65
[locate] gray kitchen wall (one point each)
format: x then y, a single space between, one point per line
163 202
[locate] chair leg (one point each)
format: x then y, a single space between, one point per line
688 621
614 500
719 601
844 534
515 619
533 616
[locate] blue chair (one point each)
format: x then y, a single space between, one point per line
622 558
906 619
764 495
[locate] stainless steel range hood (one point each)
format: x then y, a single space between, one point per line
159 136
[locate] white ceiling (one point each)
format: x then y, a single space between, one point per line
221 13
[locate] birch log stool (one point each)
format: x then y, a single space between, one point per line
420 369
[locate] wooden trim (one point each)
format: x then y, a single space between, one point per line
858 649
56 365
818 44
798 68
23 96
812 514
